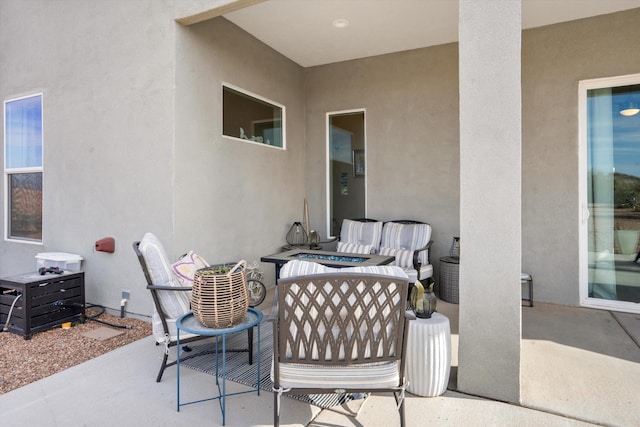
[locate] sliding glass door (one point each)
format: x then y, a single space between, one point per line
610 193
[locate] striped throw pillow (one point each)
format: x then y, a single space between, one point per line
354 248
404 257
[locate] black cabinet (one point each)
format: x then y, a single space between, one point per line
34 302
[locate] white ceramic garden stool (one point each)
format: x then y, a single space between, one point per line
428 355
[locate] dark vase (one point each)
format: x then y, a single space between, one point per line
423 300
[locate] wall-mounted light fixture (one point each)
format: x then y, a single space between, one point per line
630 108
340 23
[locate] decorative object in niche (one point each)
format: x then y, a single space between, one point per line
358 163
253 138
455 247
250 117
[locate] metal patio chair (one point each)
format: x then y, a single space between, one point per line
171 300
340 333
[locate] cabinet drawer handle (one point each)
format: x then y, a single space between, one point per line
40 285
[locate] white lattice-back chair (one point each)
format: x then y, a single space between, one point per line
340 333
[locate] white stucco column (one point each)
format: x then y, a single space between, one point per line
490 198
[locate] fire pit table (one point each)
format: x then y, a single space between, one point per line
328 258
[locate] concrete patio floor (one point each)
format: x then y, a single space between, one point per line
579 367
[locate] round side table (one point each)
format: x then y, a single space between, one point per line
189 324
428 355
449 279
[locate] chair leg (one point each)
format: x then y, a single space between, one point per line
162 367
529 282
250 344
276 413
401 412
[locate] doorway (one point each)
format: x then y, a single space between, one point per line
610 196
346 168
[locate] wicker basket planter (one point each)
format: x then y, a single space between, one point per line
220 300
449 279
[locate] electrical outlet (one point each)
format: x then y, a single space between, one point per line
126 295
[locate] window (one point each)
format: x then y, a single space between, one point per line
23 168
251 118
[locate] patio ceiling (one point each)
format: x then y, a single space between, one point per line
303 30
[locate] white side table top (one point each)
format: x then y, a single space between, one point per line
435 319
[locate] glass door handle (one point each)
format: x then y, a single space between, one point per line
585 214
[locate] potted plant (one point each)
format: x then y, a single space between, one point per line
219 298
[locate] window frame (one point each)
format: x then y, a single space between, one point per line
329 184
583 212
8 172
263 99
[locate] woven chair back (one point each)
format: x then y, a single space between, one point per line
341 319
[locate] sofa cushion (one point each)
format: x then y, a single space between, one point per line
362 233
174 304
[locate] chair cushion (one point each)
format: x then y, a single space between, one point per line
297 268
185 268
363 376
174 304
406 236
404 259
426 271
354 248
158 331
362 233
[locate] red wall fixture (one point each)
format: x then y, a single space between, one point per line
108 244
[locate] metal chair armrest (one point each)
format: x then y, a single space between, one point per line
416 256
169 288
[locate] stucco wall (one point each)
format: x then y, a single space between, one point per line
106 72
234 199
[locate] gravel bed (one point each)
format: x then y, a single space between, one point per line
48 352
